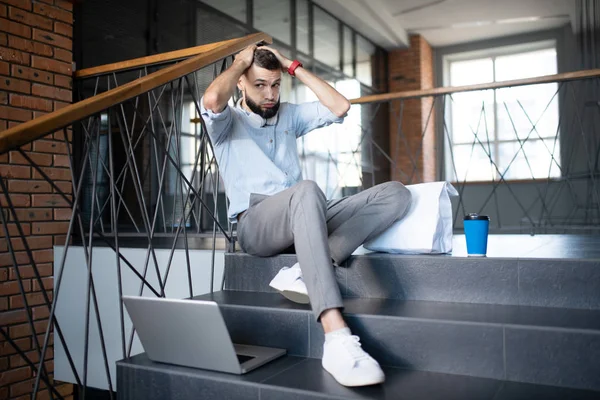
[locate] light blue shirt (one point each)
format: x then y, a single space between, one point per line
257 155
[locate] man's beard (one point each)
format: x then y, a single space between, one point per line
265 113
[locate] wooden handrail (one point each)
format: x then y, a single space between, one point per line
568 76
149 60
26 132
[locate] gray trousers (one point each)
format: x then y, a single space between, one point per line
323 232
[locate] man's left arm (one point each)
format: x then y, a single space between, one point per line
327 95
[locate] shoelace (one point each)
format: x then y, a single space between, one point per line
296 273
354 348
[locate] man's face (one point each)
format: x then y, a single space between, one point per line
260 88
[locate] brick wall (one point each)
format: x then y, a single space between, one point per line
412 69
35 78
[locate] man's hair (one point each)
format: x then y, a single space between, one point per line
265 59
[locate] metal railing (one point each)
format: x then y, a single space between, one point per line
142 166
532 164
120 131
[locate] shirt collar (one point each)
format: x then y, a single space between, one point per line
256 120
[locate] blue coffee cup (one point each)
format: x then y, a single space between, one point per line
476 231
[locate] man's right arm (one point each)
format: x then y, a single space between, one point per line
221 89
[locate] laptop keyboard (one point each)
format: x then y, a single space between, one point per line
242 359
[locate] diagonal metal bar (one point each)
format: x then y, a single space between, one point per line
99 234
214 238
482 115
169 262
179 118
117 192
522 150
502 175
364 133
91 293
11 251
587 153
487 136
447 137
123 172
155 144
175 145
51 388
197 107
163 169
184 217
169 132
139 193
74 207
464 183
454 170
508 186
152 229
115 230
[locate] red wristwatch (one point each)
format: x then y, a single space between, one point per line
292 68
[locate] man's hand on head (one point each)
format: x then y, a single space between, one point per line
284 61
246 56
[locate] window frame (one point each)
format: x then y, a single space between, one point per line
493 53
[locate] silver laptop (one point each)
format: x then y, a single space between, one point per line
192 333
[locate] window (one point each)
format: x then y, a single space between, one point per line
302 26
326 38
509 132
348 46
364 53
331 156
273 17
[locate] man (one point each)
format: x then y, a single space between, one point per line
255 146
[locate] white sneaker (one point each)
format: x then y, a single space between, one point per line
348 363
289 283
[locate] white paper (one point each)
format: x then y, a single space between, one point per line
426 228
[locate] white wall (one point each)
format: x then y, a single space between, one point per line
71 302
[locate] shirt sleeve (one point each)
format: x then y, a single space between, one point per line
218 125
313 115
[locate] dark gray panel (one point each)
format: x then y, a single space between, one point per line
466 349
269 327
528 391
560 358
490 281
245 272
140 379
142 362
253 299
283 393
400 384
553 317
555 283
477 313
430 310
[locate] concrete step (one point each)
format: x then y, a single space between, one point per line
543 282
537 345
298 378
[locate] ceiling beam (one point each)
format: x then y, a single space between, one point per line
371 18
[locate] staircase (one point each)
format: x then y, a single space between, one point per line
447 327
